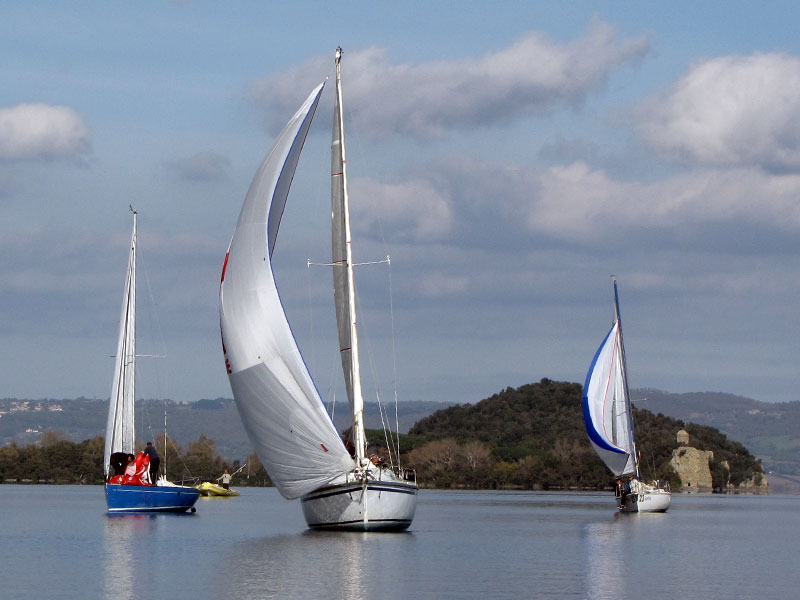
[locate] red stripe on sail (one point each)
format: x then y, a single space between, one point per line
224 266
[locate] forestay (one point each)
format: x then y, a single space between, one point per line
606 406
120 425
276 398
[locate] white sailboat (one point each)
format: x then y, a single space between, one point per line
120 427
277 400
609 423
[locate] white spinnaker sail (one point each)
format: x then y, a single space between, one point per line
120 424
606 406
279 405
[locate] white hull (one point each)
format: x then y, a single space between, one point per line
370 506
655 500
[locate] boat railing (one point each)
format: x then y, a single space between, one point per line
408 475
356 475
662 485
657 484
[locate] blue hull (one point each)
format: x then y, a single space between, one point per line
139 498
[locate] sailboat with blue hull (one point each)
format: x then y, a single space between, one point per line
608 417
144 496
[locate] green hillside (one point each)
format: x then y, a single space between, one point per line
533 437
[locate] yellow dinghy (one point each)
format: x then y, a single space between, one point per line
212 489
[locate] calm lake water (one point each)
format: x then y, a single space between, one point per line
58 542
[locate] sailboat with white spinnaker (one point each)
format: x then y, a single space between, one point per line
277 400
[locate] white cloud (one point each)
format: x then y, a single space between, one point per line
425 101
41 131
578 202
477 203
734 110
414 207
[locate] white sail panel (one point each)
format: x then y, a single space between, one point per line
280 408
120 424
606 406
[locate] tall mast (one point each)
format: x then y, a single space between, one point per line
357 406
624 363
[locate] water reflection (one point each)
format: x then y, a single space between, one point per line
604 547
318 564
121 557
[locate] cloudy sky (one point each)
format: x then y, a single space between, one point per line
509 157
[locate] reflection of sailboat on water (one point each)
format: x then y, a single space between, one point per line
277 400
604 543
609 422
123 493
348 563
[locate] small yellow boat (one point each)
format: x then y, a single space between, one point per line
212 489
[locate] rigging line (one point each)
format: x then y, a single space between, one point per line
394 361
159 331
375 378
329 398
364 160
385 436
310 317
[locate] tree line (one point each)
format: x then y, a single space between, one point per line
56 459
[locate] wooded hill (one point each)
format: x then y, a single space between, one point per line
533 437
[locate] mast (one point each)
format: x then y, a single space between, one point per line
347 331
624 364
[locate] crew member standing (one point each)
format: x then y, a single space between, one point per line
155 461
226 479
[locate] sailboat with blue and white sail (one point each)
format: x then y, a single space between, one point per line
277 400
608 418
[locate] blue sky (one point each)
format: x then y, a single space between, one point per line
510 157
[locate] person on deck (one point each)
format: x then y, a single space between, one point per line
226 479
118 461
130 468
155 460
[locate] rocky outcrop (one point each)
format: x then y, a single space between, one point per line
692 466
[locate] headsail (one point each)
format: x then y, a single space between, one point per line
606 403
120 424
277 401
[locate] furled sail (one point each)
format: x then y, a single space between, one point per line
341 290
120 425
606 405
279 405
